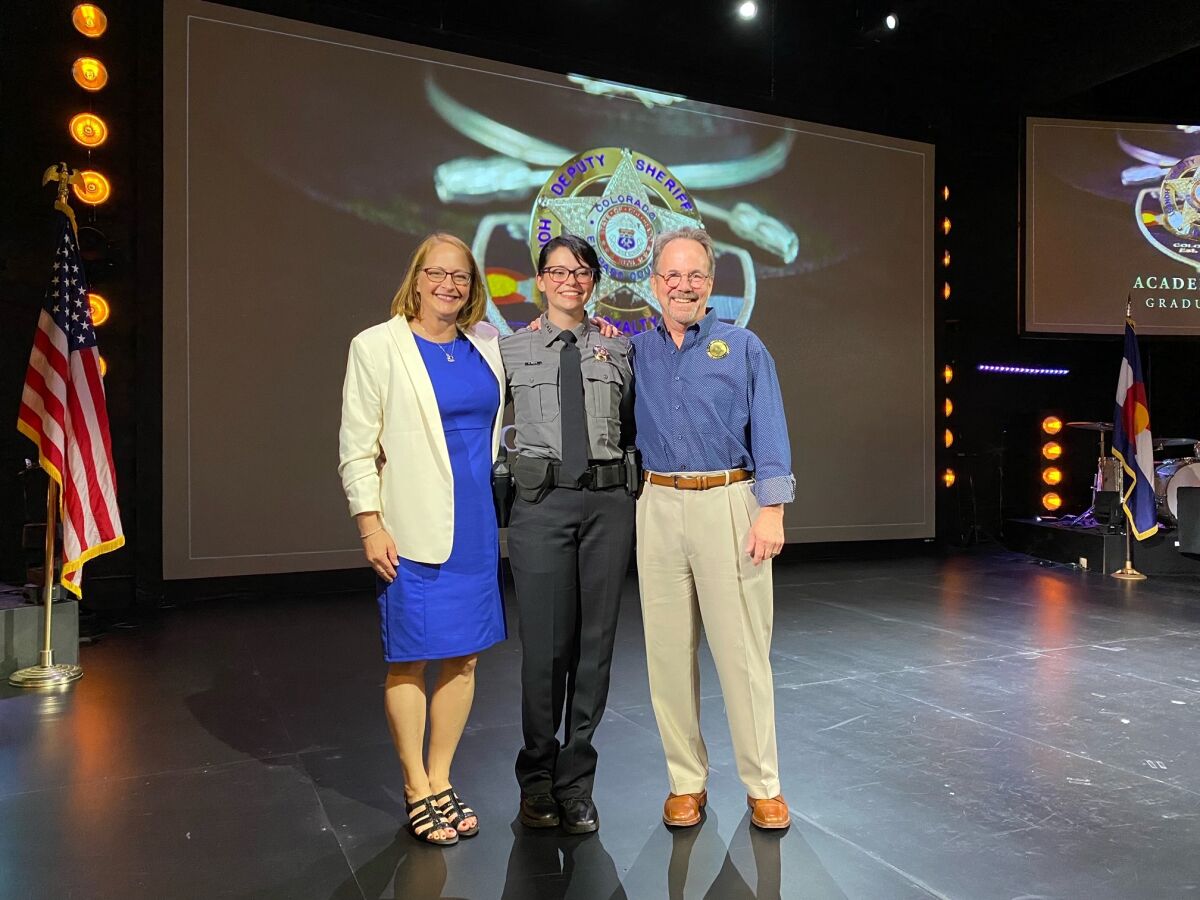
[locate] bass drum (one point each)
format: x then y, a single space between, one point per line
1169 476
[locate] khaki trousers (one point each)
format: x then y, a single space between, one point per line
693 570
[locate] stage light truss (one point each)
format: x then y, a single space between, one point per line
949 476
91 131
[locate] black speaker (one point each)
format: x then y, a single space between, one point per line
1188 504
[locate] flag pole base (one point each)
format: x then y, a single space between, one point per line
1128 573
46 674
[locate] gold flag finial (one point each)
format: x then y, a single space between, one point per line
65 177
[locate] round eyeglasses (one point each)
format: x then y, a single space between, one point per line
695 280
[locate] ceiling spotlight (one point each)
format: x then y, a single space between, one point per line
747 9
892 21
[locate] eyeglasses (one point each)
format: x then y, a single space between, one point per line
559 274
437 276
674 279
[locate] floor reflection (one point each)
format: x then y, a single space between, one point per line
729 880
550 865
417 871
699 863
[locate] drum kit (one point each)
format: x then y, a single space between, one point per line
1169 474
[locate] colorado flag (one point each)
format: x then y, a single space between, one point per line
1132 443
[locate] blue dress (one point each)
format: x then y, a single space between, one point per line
454 609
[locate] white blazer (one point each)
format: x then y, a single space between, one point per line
394 459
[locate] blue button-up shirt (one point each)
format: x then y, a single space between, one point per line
713 403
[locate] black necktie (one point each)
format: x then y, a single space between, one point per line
571 412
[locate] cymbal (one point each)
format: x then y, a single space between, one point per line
1091 426
1159 443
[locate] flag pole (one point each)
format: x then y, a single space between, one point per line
1127 572
47 673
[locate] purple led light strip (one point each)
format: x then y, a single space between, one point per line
1020 370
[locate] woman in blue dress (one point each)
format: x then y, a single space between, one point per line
421 419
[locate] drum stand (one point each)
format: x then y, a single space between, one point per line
1087 518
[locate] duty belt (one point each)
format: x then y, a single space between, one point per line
597 477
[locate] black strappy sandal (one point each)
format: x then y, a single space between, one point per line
424 818
455 811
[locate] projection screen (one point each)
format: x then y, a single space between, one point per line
303 164
1112 216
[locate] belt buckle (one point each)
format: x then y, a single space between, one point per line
586 479
675 482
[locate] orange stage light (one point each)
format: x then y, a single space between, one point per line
100 309
95 188
89 73
88 129
89 19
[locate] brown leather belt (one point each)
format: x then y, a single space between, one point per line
699 482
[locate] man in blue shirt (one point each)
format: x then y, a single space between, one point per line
714 442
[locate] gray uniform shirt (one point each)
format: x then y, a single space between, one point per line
531 366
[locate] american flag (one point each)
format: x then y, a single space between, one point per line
63 412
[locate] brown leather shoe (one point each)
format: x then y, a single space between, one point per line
772 813
683 810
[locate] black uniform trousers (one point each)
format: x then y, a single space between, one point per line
569 554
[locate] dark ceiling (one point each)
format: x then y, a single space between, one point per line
828 61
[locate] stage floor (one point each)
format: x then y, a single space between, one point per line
978 726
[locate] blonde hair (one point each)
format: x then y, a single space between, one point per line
408 303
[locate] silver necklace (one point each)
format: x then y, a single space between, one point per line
453 345
448 353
